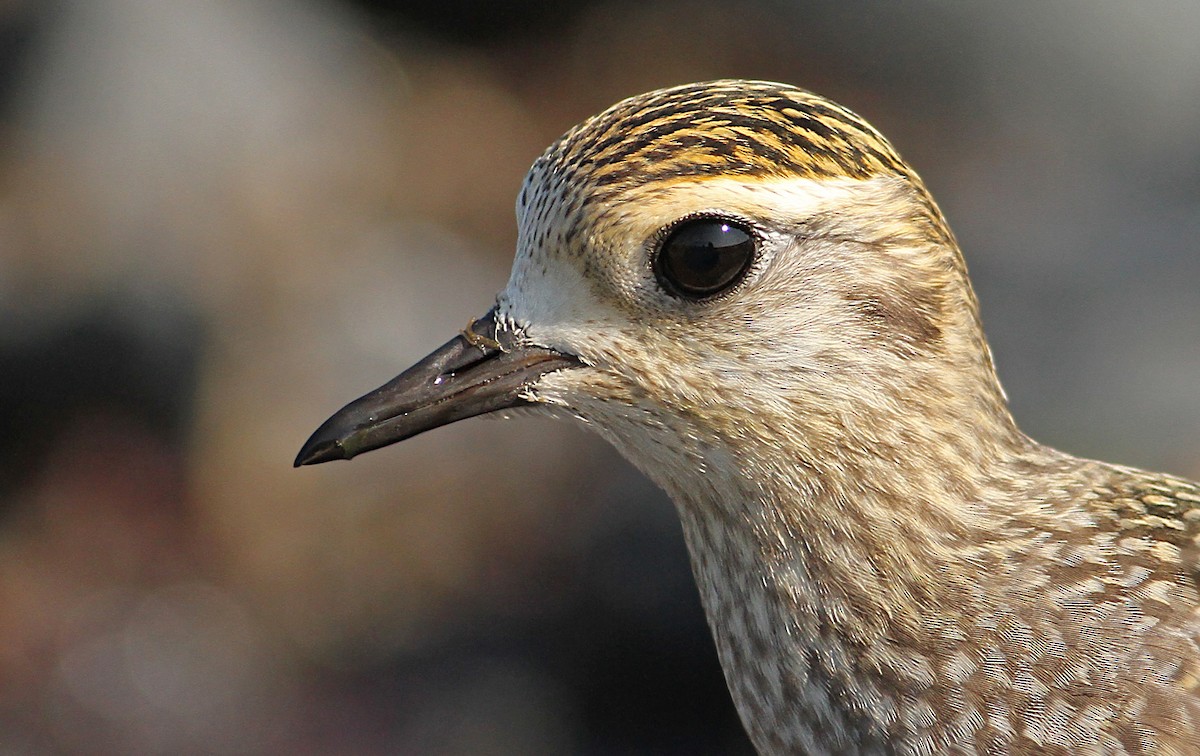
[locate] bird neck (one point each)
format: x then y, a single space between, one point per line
822 582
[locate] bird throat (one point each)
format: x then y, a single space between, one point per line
826 593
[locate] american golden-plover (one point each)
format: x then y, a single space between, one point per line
744 288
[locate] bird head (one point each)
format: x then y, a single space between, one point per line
723 265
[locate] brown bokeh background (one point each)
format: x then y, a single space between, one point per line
221 221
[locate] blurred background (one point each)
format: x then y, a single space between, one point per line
220 221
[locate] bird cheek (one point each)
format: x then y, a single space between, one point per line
582 388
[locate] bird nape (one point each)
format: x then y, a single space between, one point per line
745 289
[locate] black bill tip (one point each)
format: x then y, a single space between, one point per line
318 450
321 451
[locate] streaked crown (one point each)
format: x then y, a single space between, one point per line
728 127
724 128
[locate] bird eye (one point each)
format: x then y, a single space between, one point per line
703 257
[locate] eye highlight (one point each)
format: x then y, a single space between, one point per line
703 257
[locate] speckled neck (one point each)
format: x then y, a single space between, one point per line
836 594
803 609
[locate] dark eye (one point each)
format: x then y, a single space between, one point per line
704 256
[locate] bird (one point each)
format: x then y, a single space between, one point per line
744 288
